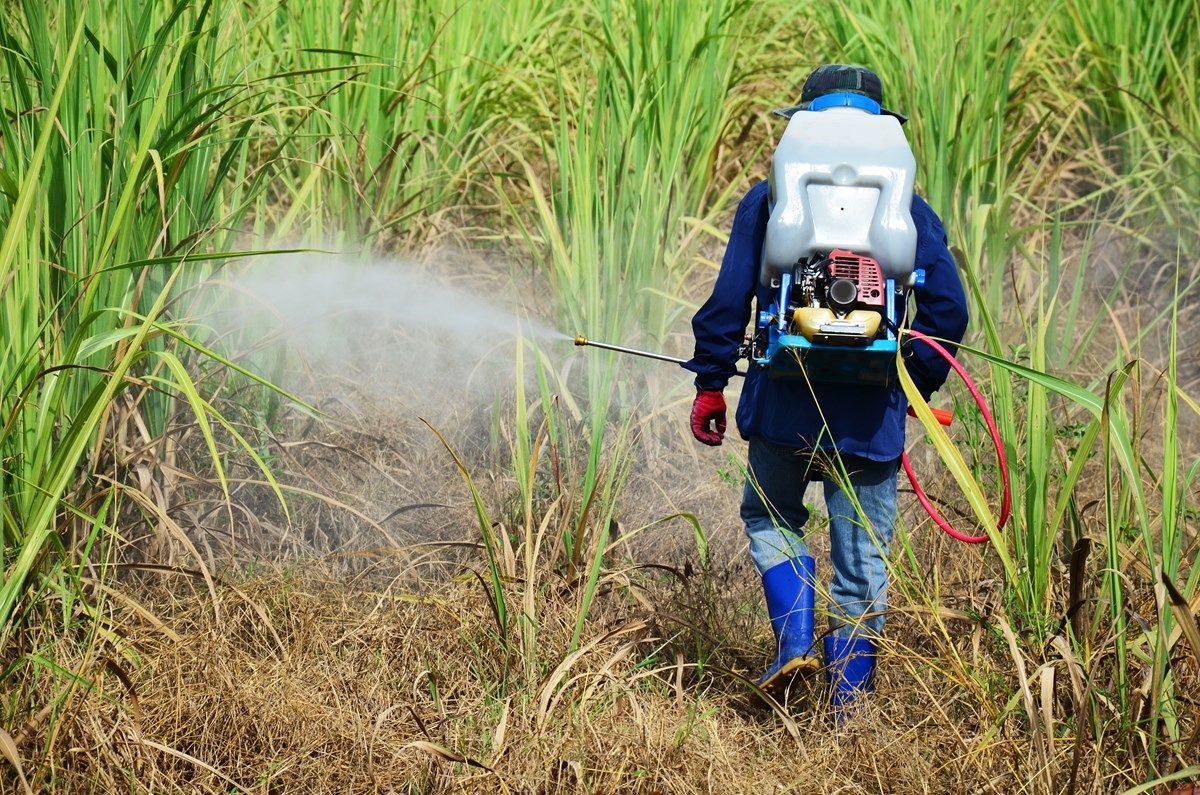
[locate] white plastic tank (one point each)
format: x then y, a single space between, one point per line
841 178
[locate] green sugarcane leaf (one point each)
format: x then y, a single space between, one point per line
183 384
958 468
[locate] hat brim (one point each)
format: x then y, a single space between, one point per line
787 113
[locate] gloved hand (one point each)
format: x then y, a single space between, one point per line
708 411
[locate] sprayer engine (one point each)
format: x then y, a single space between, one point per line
833 319
839 299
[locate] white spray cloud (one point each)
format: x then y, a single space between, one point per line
383 329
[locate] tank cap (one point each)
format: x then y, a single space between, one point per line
845 99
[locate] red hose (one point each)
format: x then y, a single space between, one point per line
1006 500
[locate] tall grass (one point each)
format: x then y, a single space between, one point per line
632 152
407 107
1137 78
629 162
123 151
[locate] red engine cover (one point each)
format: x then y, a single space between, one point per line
864 272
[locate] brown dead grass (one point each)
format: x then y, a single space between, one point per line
306 685
381 670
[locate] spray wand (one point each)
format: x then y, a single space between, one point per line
581 340
941 415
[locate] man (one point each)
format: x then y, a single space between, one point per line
796 428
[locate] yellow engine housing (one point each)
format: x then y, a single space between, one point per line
857 327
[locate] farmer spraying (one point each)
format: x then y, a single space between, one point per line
829 250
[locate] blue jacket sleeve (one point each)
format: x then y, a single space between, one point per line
941 301
720 324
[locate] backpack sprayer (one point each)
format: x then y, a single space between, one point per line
838 259
840 245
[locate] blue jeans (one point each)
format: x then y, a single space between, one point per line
774 513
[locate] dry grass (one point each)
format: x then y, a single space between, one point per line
313 681
305 685
377 667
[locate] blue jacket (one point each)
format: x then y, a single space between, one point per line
863 421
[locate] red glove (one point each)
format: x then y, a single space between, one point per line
708 410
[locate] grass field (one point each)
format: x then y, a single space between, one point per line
415 552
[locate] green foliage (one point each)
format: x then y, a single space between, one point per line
124 162
402 104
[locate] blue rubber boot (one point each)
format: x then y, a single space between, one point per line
790 592
849 669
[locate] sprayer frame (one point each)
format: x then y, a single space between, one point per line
794 356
